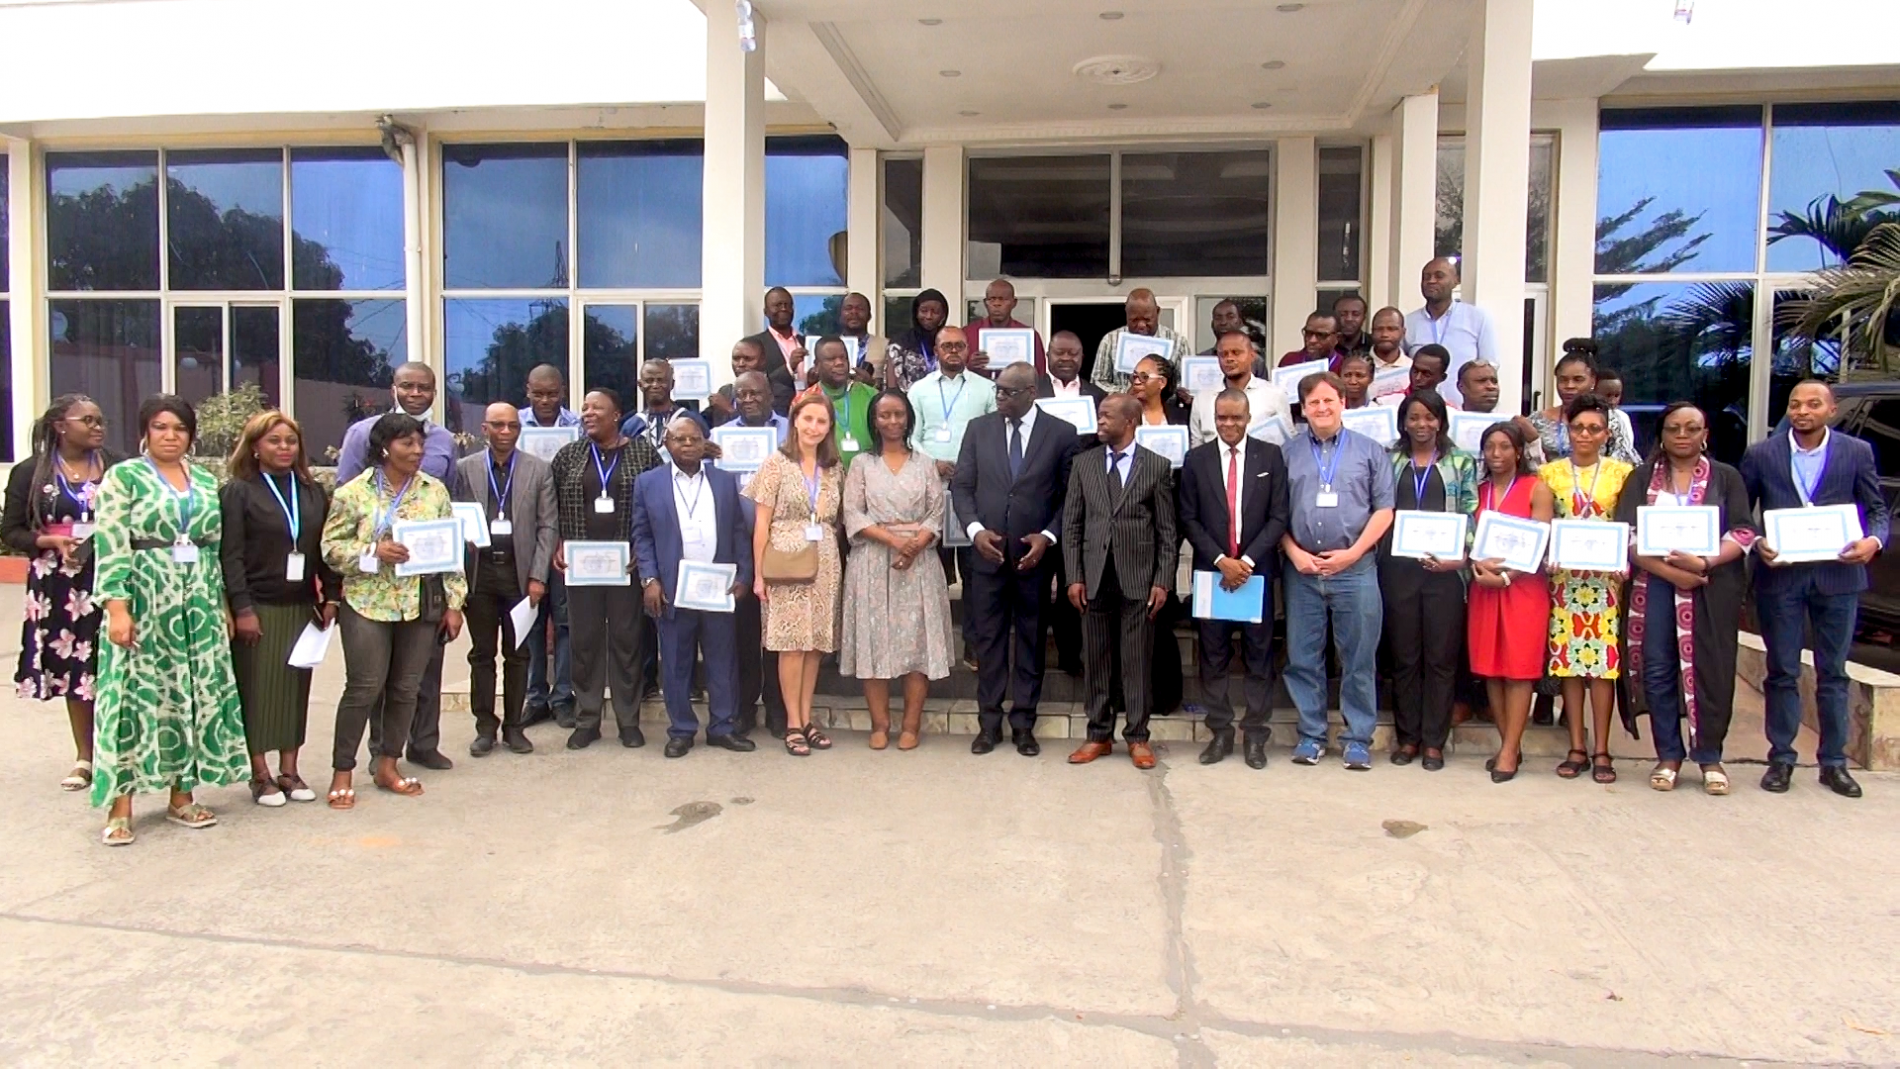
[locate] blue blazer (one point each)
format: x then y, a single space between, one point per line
656 527
1849 478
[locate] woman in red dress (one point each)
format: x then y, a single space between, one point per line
1508 612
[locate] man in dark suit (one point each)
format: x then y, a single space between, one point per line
1234 509
1807 466
516 493
786 361
1065 380
686 511
1008 488
1118 543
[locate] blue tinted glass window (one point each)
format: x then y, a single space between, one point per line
1678 189
806 204
640 213
224 213
903 223
345 219
107 350
672 331
1825 155
610 351
344 356
1039 217
504 212
490 348
816 313
1680 341
102 220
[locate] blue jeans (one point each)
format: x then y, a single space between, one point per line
1353 602
1786 614
1662 679
553 613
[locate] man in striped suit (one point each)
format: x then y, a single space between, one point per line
1118 547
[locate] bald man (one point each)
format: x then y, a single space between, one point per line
547 399
1143 314
999 313
1463 329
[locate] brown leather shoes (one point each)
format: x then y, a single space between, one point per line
1089 751
1143 756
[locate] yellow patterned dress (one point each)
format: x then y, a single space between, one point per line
1586 608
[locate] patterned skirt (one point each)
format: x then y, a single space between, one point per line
59 639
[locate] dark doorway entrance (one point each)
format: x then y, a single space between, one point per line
1089 322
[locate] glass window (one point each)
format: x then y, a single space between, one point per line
903 223
346 220
807 203
491 345
255 356
102 221
610 351
1195 213
1449 229
1038 217
672 331
1253 315
6 382
1880 428
1796 358
1826 154
198 348
5 261
896 322
109 351
1681 341
816 313
1678 189
504 212
640 213
1340 179
344 355
224 219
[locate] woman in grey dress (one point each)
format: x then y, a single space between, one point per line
896 603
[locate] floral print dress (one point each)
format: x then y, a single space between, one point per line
1586 607
59 640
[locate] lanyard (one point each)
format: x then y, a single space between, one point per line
952 402
81 497
1441 324
606 471
1805 489
385 516
1584 504
844 419
1490 496
187 499
293 509
501 492
698 482
1420 477
1326 471
811 491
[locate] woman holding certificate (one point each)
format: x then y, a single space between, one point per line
897 606
1422 582
1508 614
797 568
390 623
1687 606
1586 606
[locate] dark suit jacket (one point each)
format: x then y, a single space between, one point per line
1136 526
982 490
775 370
1046 387
1849 478
656 527
531 509
1202 503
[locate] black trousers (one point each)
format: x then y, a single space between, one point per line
497 590
1217 658
604 632
1115 622
1065 621
1425 641
758 672
1002 605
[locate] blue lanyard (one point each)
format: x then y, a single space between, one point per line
385 517
1441 324
844 420
83 496
606 471
187 499
1807 490
812 482
1420 477
293 509
952 403
502 492
1326 471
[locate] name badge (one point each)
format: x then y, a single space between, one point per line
1326 499
293 568
82 531
501 527
184 553
942 435
602 504
693 536
368 564
849 445
814 532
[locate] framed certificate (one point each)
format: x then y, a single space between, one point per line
1288 378
704 587
1132 349
1590 545
1170 441
1392 380
1518 543
692 379
1272 430
474 523
955 533
1377 422
1811 534
598 564
1007 345
1419 534
434 546
1202 374
743 448
1078 412
1693 529
544 442
1467 429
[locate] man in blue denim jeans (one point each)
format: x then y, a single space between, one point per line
549 698
1339 485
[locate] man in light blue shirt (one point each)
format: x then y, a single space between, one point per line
1463 329
547 399
946 400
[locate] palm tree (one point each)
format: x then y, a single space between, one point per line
1859 300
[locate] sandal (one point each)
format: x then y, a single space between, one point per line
1572 769
1663 778
343 798
816 738
407 786
907 740
296 789
190 815
795 743
79 778
265 792
118 832
1714 780
1605 772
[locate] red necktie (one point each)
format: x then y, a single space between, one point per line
1233 501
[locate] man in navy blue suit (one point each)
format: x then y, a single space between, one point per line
688 511
1809 466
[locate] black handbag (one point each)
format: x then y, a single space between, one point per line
435 599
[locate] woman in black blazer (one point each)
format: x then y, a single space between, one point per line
1153 384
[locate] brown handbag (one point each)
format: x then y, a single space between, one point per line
790 565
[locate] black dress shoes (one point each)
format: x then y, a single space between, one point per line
632 738
678 747
483 745
582 738
1404 756
735 742
516 740
1433 761
1026 743
1218 748
534 714
1777 778
1254 749
983 743
1836 779
434 759
564 717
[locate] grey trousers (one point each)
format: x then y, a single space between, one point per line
383 666
425 726
604 634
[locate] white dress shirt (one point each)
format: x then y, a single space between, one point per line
1264 400
699 526
1240 494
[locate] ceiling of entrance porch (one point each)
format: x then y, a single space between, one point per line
895 72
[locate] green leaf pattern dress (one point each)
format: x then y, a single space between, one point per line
167 711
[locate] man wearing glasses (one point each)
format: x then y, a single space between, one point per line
1319 341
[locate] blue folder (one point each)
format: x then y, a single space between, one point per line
1211 602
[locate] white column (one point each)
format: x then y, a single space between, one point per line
943 224
1573 254
1295 242
26 295
1414 196
1380 189
732 228
863 270
1497 177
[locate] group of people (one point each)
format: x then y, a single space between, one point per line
843 540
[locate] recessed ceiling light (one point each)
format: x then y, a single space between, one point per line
967 114
1110 16
930 22
1289 8
1262 104
1117 107
1273 64
951 74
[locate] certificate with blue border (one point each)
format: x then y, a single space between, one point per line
704 587
1817 533
1288 378
1272 430
1467 429
1419 534
474 523
1007 345
544 442
1078 412
1377 422
1202 374
743 448
1170 441
1589 545
1132 349
434 546
598 563
1517 543
1693 529
692 379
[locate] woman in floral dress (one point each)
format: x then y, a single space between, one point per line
49 517
168 713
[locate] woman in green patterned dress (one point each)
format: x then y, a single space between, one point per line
168 715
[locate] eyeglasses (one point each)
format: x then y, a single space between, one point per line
510 425
1011 391
87 421
1318 333
1146 376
